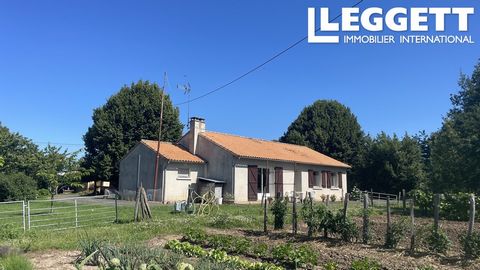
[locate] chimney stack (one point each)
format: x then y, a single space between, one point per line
197 126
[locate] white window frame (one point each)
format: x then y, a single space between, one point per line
183 176
334 179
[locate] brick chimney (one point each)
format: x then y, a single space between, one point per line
197 126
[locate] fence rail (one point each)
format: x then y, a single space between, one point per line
59 214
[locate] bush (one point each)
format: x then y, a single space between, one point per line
330 266
395 234
333 198
355 194
16 187
312 215
43 193
365 264
347 229
456 206
15 262
437 241
424 201
279 210
471 245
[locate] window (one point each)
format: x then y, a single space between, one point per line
183 173
262 180
318 179
334 180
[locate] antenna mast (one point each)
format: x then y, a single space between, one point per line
186 91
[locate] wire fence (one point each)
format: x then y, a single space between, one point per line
60 214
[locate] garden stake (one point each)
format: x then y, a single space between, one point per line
404 198
412 216
365 218
436 214
471 221
265 211
345 205
389 224
294 216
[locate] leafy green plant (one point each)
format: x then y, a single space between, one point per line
346 228
89 248
355 194
279 210
437 241
396 233
333 198
365 264
471 245
259 250
330 266
292 256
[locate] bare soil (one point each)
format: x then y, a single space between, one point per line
55 260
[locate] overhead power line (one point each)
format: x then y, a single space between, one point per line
261 64
59 143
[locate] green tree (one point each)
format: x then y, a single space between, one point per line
59 169
330 128
128 116
392 164
18 153
455 154
17 186
2 161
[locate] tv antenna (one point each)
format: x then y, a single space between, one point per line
186 91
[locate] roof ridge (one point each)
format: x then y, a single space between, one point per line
146 140
258 139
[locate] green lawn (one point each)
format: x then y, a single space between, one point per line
125 230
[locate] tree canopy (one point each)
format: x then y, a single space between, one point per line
128 117
455 148
331 128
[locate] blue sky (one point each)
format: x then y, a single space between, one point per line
61 59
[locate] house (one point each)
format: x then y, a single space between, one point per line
244 167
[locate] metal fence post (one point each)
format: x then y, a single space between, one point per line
23 215
28 214
76 214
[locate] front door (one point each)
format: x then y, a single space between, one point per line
252 182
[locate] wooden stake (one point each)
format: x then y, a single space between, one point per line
365 218
412 230
265 211
389 213
345 205
404 198
436 211
471 221
294 215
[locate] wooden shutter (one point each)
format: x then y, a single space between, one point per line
329 180
252 182
340 180
310 178
278 180
324 179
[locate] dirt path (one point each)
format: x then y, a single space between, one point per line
55 260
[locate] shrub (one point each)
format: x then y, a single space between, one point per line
323 197
395 234
312 215
355 194
15 262
424 201
43 193
279 210
18 186
333 198
437 241
471 245
365 264
456 206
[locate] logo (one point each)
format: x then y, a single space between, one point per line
414 21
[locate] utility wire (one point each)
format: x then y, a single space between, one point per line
262 64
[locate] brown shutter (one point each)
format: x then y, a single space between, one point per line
278 180
310 178
252 182
329 182
324 179
340 180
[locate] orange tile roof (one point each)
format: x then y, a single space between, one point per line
173 152
262 149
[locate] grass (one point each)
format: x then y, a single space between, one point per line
164 223
15 262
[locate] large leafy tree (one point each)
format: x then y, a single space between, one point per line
128 116
392 164
18 154
455 148
330 128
